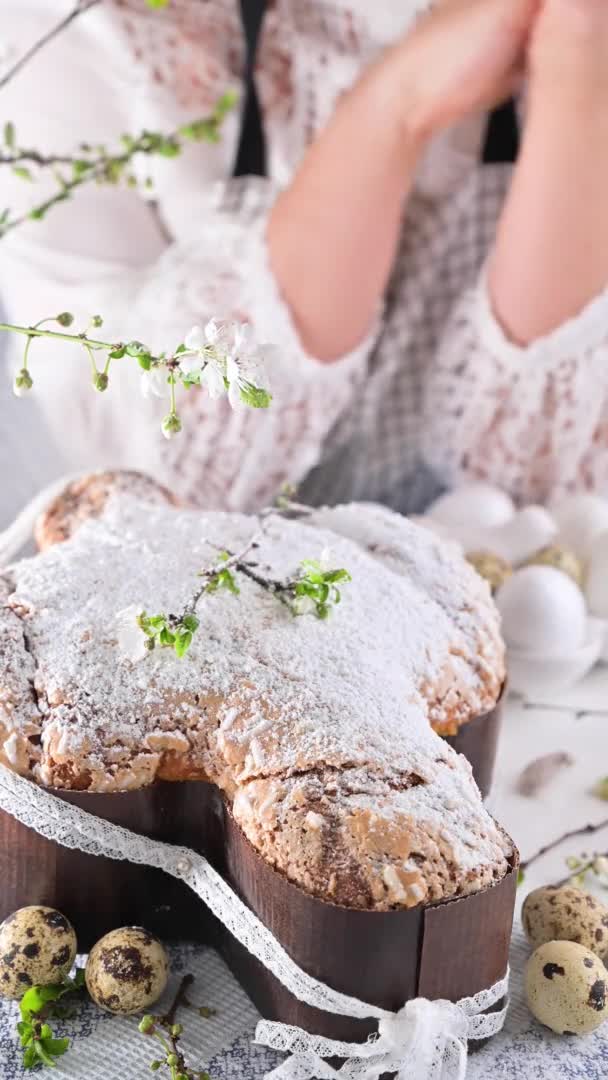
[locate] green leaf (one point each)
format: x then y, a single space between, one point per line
601 789
9 134
166 637
183 640
80 167
190 622
145 361
43 1054
30 1057
521 877
169 148
55 1047
255 396
157 4
37 996
38 213
22 172
228 100
118 353
25 1031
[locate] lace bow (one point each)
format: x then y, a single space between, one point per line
425 1040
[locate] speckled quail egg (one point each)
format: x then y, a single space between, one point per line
37 948
127 970
560 558
566 988
564 913
473 506
580 518
491 567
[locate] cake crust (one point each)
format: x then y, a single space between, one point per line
317 732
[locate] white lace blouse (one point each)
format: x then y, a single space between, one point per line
435 394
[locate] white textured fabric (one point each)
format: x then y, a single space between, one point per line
435 394
427 1037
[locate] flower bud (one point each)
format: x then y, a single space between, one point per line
600 864
101 381
172 1060
176 1030
22 383
96 321
65 318
171 425
146 1024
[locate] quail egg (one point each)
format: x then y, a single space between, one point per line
560 558
566 988
542 611
127 970
37 948
491 567
564 913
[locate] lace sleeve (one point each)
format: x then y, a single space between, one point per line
239 459
530 419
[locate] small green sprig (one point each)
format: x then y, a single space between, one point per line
96 164
38 1005
315 589
167 1032
312 591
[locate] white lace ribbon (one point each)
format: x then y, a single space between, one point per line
425 1040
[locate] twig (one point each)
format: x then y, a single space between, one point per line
226 564
586 831
180 998
80 8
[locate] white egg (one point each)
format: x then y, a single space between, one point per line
542 611
596 587
473 506
526 533
580 518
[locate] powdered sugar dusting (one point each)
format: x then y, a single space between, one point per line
289 716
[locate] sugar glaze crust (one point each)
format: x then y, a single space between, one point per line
318 733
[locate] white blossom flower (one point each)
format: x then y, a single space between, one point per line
213 378
129 635
244 364
154 383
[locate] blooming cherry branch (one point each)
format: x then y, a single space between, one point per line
96 164
222 359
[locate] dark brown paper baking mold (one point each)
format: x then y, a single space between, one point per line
450 950
477 740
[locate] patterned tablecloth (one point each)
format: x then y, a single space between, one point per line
107 1048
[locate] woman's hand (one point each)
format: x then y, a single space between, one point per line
551 255
464 56
333 234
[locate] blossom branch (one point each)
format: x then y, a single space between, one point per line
222 359
585 831
94 164
79 9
